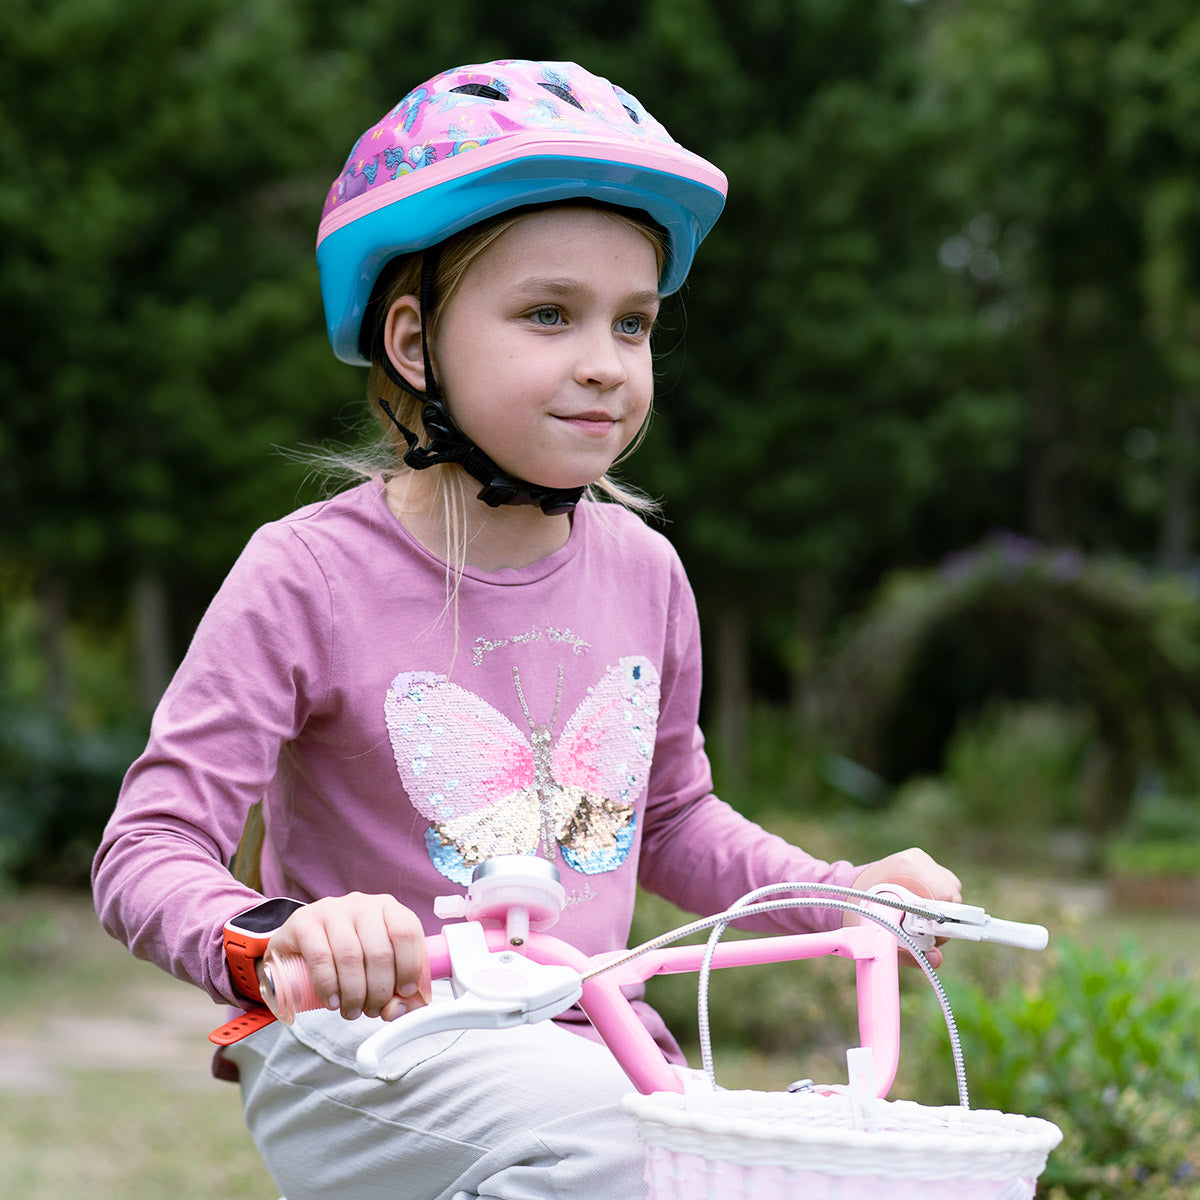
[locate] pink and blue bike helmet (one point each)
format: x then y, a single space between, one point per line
478 141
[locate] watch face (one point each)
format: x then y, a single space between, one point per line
264 918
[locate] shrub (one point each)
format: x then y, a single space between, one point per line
1013 617
1155 863
1161 837
1164 818
1018 764
57 789
1154 858
1105 1043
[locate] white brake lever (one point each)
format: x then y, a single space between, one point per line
493 990
966 922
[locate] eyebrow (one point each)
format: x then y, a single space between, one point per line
552 286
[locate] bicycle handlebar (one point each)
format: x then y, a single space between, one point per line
927 920
506 971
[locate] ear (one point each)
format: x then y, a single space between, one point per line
402 340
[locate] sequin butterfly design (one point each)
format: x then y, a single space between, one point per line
484 785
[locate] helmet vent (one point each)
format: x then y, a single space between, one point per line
562 93
480 89
632 115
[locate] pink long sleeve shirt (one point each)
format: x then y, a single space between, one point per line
397 735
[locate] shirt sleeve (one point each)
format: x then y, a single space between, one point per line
257 664
697 851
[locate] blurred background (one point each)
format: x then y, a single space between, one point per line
928 415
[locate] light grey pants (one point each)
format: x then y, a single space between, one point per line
530 1113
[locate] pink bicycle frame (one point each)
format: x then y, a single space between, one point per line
872 947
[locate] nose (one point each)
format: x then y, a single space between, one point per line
600 362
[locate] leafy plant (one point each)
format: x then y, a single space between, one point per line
1164 818
1077 631
1161 839
1105 1043
1018 763
1154 858
58 786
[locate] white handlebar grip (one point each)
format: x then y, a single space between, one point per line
965 921
1016 933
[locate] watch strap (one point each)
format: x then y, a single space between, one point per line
241 954
242 1026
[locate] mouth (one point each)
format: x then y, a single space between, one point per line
595 423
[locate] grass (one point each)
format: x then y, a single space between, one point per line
105 1091
133 1135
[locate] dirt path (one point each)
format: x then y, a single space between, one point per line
101 1008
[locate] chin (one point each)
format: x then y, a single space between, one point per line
559 479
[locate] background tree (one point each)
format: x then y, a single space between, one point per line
1070 129
1077 136
158 293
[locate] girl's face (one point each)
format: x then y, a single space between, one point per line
543 351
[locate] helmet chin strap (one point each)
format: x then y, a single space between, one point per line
447 443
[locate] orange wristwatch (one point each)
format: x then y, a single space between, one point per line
246 938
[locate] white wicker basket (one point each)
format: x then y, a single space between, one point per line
781 1146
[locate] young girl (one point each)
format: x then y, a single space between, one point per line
467 655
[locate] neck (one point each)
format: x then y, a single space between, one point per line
492 538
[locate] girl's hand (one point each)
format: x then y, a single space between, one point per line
915 870
366 954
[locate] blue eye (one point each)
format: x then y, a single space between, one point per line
546 316
632 326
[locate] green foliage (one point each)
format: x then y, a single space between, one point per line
1154 858
1102 1040
1018 765
784 766
954 288
1161 837
821 406
1099 636
1077 105
1159 817
158 206
58 785
60 767
1011 790
1106 1044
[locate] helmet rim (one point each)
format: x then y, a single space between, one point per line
352 253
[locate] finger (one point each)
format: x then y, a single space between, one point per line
328 940
304 936
381 966
410 955
916 870
397 1006
353 933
